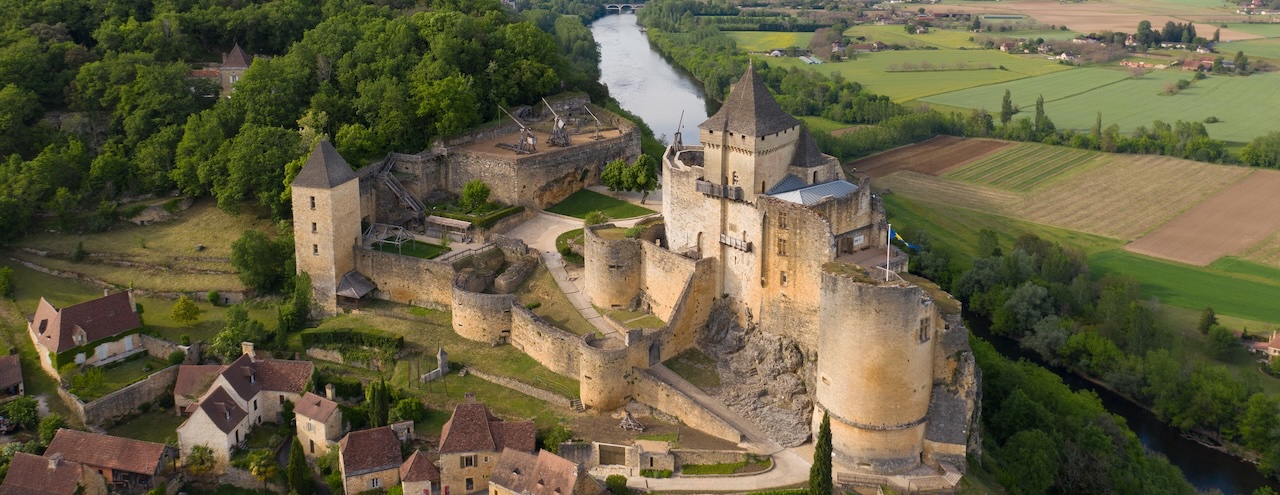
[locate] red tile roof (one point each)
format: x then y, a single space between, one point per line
315 407
418 468
194 379
99 319
208 73
543 474
118 453
473 429
368 451
30 475
10 371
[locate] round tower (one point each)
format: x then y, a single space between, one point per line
875 369
613 265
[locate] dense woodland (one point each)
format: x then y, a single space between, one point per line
102 104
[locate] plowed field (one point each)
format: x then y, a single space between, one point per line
932 157
1227 223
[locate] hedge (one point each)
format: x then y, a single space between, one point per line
369 338
483 221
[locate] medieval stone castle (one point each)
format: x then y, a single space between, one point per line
767 260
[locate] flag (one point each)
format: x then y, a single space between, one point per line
893 234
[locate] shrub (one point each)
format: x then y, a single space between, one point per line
49 427
616 483
213 296
6 282
350 336
533 305
1211 120
177 357
79 253
475 193
655 473
595 218
185 339
551 439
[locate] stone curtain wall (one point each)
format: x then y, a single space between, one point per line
524 388
121 402
558 350
791 309
160 349
406 279
653 392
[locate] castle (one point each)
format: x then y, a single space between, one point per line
772 263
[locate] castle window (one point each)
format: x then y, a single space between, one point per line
313 202
782 221
315 249
735 178
313 227
782 247
924 330
375 483
761 187
784 278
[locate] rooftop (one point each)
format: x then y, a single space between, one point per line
818 193
543 474
750 110
98 319
473 429
367 451
315 407
194 379
10 371
418 468
324 169
106 451
34 475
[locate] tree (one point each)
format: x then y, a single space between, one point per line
262 465
49 427
185 311
1207 320
617 484
6 282
1260 423
261 263
237 329
820 473
298 472
409 409
550 440
377 402
1263 151
1222 342
596 217
643 176
200 461
615 176
1033 465
475 193
22 411
1216 34
1242 62
1006 108
254 167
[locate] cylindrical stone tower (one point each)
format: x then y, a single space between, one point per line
875 370
612 268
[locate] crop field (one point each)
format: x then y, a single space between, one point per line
872 70
763 41
1124 16
1263 29
1264 48
1120 196
931 157
1237 293
1025 166
889 35
1073 99
1227 223
1047 34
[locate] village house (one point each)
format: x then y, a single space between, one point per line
369 460
229 72
471 442
124 463
11 377
245 393
192 382
419 476
31 474
91 333
522 473
319 422
1008 46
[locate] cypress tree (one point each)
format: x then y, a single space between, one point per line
298 472
820 474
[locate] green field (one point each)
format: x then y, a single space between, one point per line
824 125
417 249
1024 166
889 35
1073 99
1266 30
1048 34
585 201
871 70
1244 289
763 41
1264 48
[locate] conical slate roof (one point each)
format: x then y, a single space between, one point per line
236 58
807 152
750 109
325 169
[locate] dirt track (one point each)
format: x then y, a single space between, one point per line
1227 223
932 157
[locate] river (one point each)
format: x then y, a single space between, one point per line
646 84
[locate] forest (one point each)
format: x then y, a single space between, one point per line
104 107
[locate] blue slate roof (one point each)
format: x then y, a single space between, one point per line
814 194
787 184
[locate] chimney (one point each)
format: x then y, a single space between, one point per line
329 391
246 348
54 460
132 304
471 397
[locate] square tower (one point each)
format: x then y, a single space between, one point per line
326 221
750 142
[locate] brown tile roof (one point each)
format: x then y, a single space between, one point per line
418 468
324 169
10 371
100 318
30 475
248 377
236 58
223 410
118 453
807 152
206 73
194 379
473 429
543 474
368 451
750 110
315 407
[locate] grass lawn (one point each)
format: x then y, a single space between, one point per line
154 426
586 201
634 319
1238 292
418 249
1264 29
562 245
746 466
1182 322
1264 48
696 367
763 41
552 305
871 70
824 125
940 38
1073 99
123 375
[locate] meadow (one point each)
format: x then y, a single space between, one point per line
1244 290
822 124
889 35
763 41
1073 99
1265 48
872 70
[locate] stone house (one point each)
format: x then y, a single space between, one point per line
319 422
418 475
245 393
471 443
31 474
93 333
522 473
123 463
11 376
192 382
369 460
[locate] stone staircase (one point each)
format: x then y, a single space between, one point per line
576 404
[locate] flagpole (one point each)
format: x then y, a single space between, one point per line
888 245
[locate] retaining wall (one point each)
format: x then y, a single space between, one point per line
524 388
654 392
124 401
406 279
550 346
